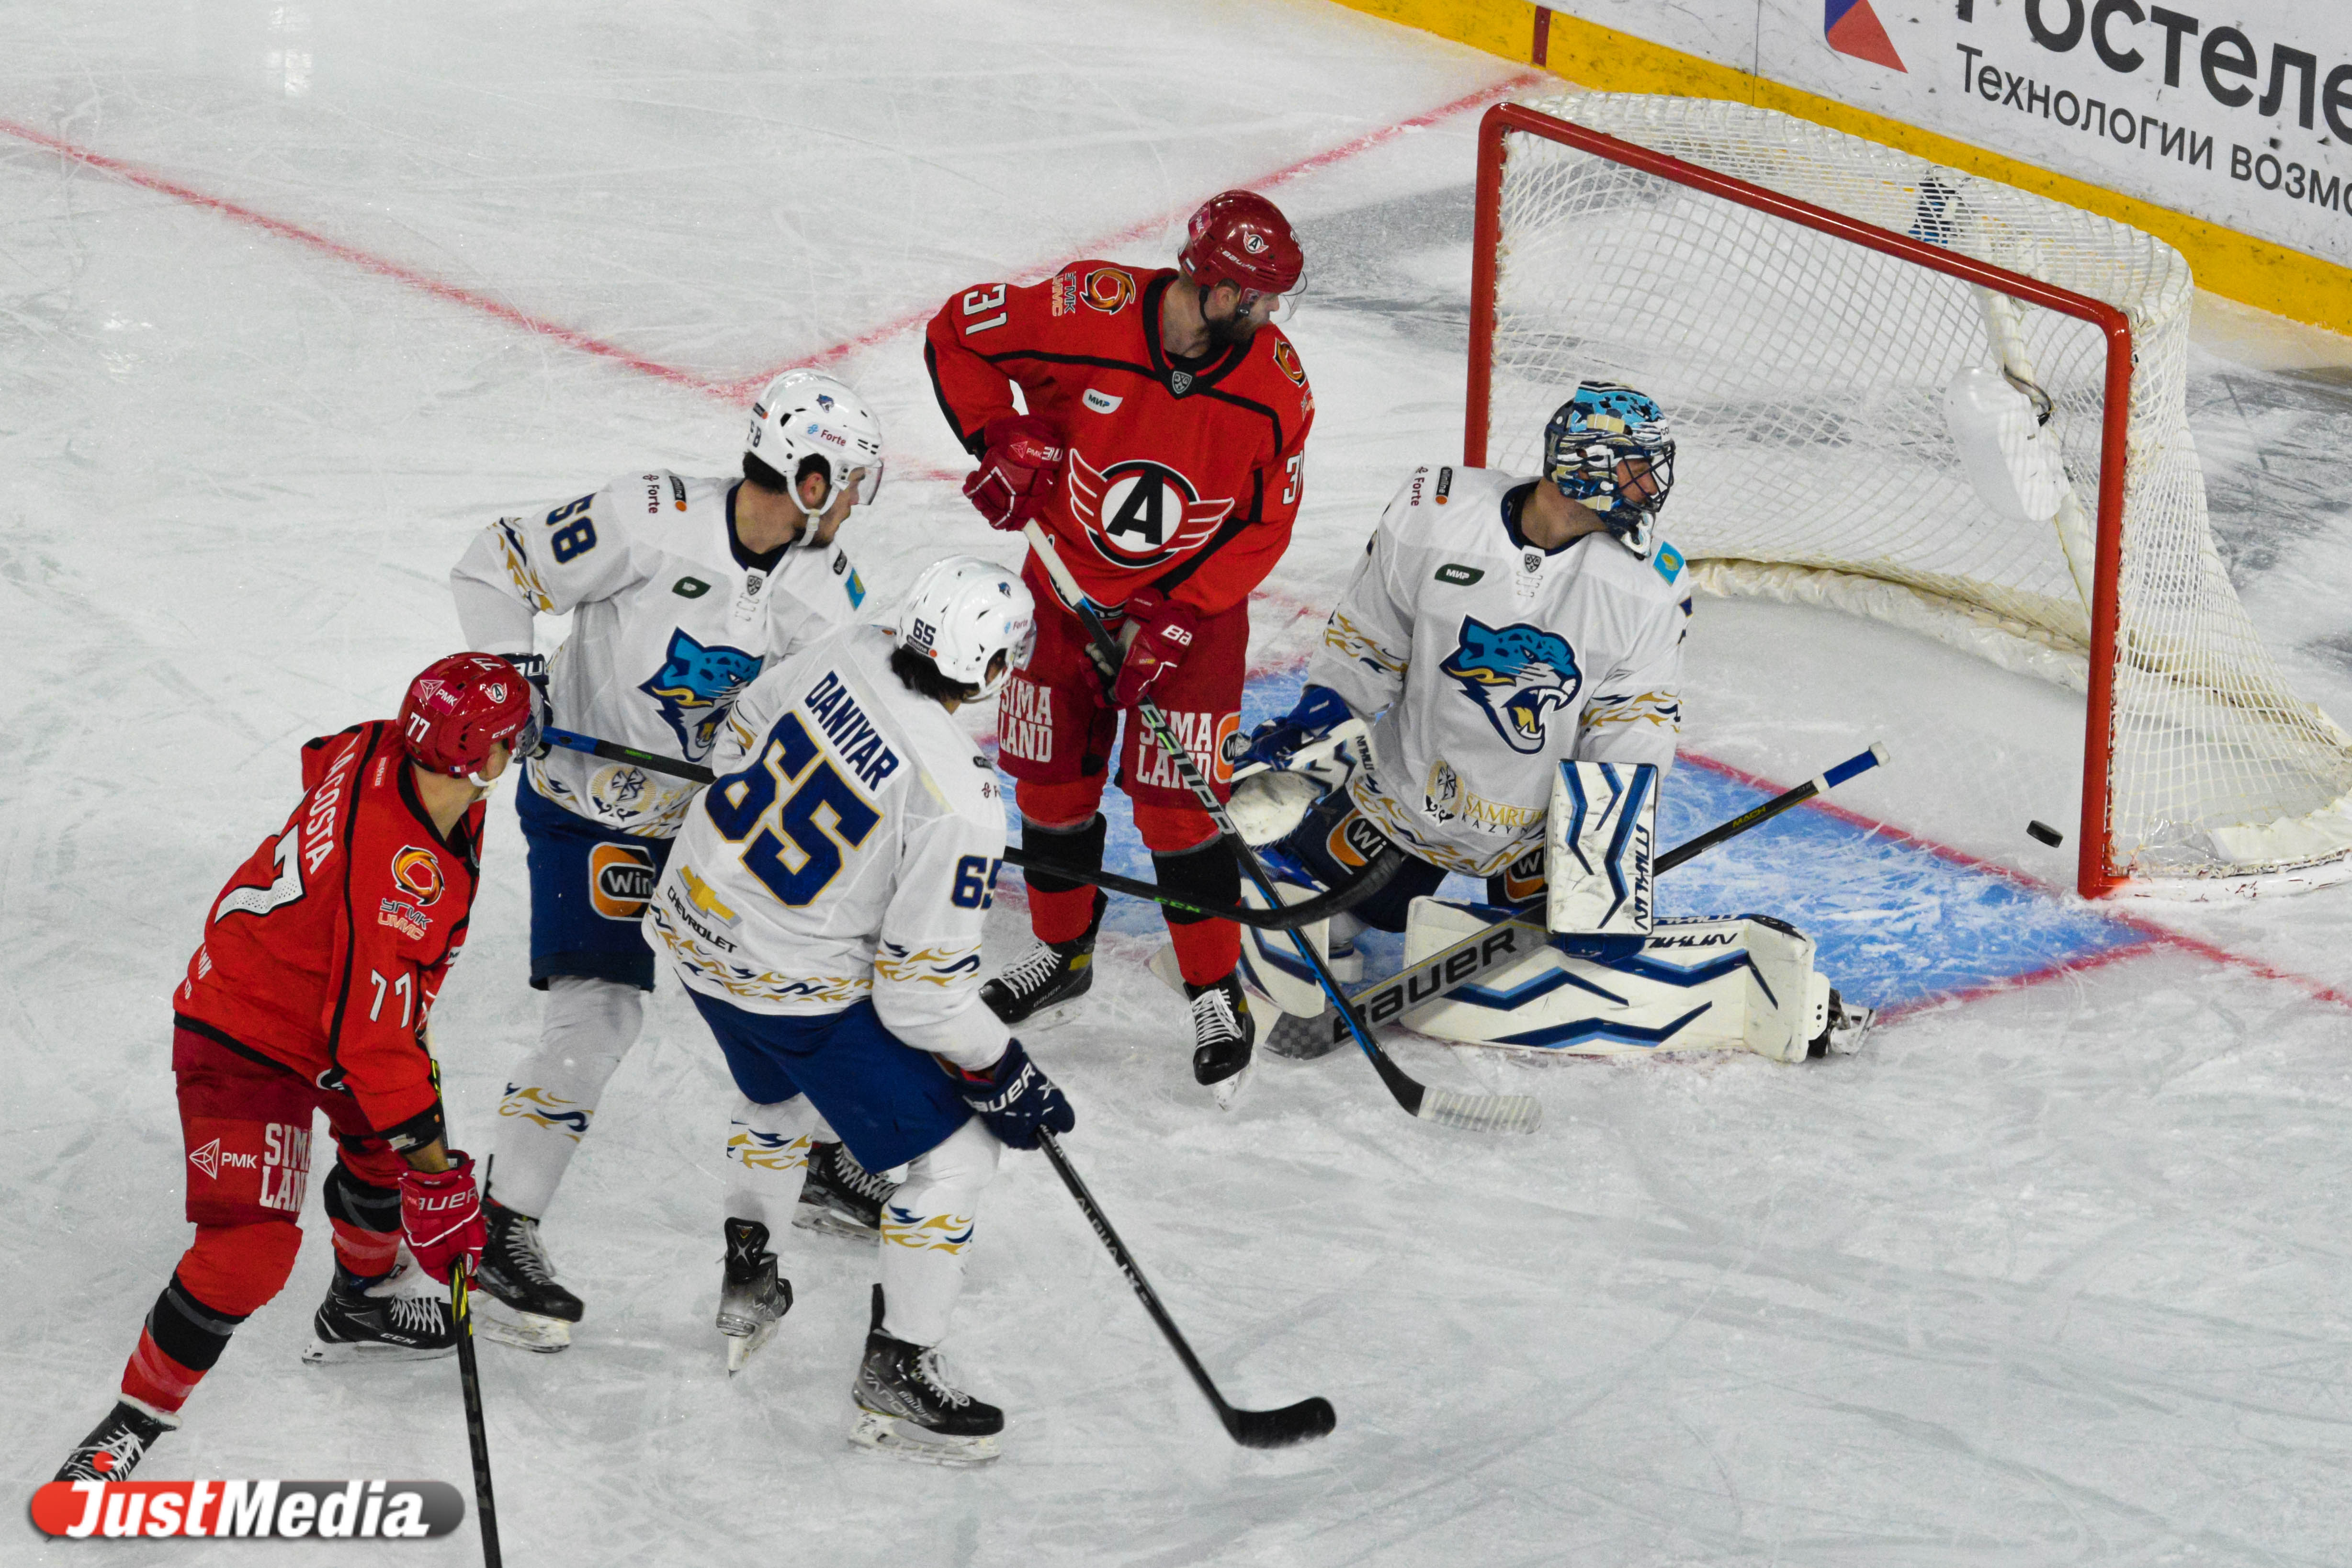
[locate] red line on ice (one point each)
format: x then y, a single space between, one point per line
740 388
568 335
2156 934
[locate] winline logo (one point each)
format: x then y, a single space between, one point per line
259 1511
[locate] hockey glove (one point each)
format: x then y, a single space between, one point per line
1013 1098
441 1216
1163 635
1020 465
1320 710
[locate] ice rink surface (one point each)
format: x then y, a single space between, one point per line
295 296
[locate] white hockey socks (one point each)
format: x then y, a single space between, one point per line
927 1228
551 1094
767 1158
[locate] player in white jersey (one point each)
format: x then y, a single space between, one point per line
1497 626
823 906
680 591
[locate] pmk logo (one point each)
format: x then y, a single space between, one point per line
419 875
620 880
1853 28
294 1510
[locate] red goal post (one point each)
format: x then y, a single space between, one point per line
1518 130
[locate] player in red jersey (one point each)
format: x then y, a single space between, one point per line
309 992
1162 449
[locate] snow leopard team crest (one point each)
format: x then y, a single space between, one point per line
696 686
1518 675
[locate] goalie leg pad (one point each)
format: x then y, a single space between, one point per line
1742 982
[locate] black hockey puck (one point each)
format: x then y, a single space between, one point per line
2047 833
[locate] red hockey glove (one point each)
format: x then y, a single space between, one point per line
441 1216
1163 635
1017 472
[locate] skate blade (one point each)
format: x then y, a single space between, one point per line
904 1440
1053 1015
743 1337
1845 1037
323 1354
497 1321
826 1220
1228 1092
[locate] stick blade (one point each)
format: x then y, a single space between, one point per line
1301 1423
1481 1113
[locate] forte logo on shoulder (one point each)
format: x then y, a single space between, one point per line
248 1511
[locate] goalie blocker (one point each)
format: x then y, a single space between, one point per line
1611 978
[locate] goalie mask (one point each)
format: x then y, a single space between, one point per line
1608 448
807 416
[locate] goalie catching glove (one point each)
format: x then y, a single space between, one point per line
1020 465
1014 1097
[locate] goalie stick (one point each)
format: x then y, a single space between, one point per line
1478 1113
1521 932
1288 917
1312 1418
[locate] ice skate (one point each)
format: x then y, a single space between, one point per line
1225 1033
116 1444
372 1320
1847 1026
517 1300
840 1196
1042 986
752 1299
906 1406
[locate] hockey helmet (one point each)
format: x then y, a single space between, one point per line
806 414
961 613
1240 237
460 708
1608 448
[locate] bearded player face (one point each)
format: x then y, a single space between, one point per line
1233 315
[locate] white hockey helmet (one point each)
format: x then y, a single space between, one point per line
805 414
961 613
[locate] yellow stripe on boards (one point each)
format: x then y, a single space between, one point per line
2256 272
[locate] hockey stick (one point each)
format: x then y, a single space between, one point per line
1311 1418
1289 917
1478 1113
1522 931
469 1376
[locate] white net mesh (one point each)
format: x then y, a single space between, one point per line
1806 379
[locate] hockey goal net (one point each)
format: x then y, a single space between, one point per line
1809 307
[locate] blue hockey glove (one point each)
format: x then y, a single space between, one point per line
1013 1098
1319 711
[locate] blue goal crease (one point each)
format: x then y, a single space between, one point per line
1896 923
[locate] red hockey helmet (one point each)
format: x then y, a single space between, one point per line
1240 237
462 705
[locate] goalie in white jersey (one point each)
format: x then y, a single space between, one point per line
823 905
680 589
1496 626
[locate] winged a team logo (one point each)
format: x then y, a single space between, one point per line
1138 513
